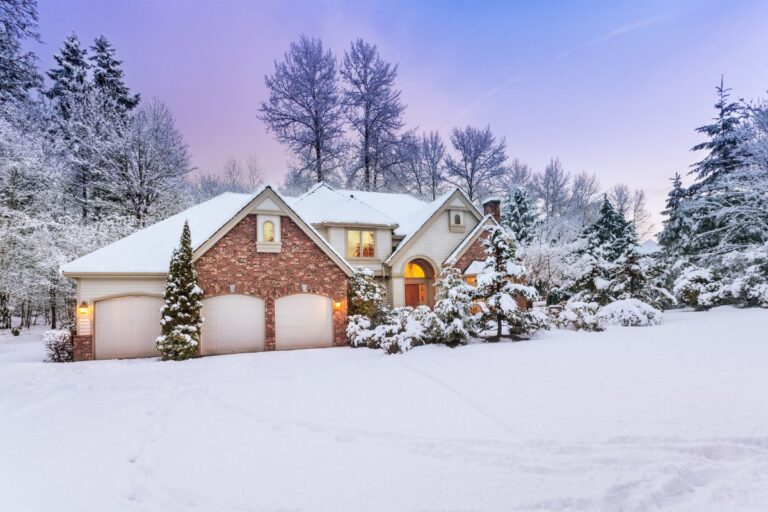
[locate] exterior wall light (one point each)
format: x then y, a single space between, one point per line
337 305
83 308
232 288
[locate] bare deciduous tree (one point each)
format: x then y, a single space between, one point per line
479 162
304 109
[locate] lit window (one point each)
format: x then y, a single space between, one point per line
414 270
471 280
361 244
268 230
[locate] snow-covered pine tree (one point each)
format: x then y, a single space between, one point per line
180 315
501 288
70 77
724 147
18 69
108 76
676 225
453 307
365 295
519 215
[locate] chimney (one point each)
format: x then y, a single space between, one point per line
492 206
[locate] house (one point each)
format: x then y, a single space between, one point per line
274 269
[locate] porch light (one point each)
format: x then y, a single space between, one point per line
337 305
83 308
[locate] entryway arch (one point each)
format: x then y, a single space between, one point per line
419 283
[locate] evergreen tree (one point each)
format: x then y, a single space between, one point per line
365 295
18 69
675 224
70 77
108 76
519 216
500 286
724 145
180 315
453 307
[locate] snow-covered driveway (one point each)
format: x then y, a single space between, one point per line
673 417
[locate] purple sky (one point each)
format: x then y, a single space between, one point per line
614 88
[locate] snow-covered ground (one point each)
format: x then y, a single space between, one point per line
673 417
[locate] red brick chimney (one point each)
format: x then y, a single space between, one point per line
492 206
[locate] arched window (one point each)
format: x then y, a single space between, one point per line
268 231
457 219
414 270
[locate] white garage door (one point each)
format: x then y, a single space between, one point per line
233 323
127 327
303 321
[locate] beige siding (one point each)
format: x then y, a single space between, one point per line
396 292
436 242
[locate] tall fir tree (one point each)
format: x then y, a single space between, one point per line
724 149
453 307
501 286
69 78
18 69
676 226
180 319
108 76
519 216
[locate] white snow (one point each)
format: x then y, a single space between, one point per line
149 250
672 417
323 205
475 268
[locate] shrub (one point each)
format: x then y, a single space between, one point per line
579 316
401 330
454 308
15 331
365 295
629 312
58 343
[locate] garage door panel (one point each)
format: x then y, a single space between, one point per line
303 320
126 327
233 324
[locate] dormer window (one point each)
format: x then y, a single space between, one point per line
457 219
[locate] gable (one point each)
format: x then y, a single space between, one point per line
268 198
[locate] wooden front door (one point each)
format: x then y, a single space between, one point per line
412 295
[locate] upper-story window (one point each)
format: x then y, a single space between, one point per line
269 231
361 243
457 219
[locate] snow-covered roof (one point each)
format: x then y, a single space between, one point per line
149 250
474 268
323 205
400 207
456 254
419 218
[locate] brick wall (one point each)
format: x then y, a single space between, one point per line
300 267
474 252
83 347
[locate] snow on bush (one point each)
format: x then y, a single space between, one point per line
58 343
402 329
579 316
454 307
696 287
366 296
628 312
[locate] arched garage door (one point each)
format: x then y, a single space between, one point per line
303 321
233 323
126 327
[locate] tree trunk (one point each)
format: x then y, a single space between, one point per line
52 298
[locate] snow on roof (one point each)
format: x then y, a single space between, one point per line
400 207
321 205
456 254
149 250
474 268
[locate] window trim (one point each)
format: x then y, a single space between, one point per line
360 232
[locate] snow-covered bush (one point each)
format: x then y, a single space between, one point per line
15 331
628 312
579 316
454 307
180 318
696 287
366 296
401 330
58 343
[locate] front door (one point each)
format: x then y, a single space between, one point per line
412 295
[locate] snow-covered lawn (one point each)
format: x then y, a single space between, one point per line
673 417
